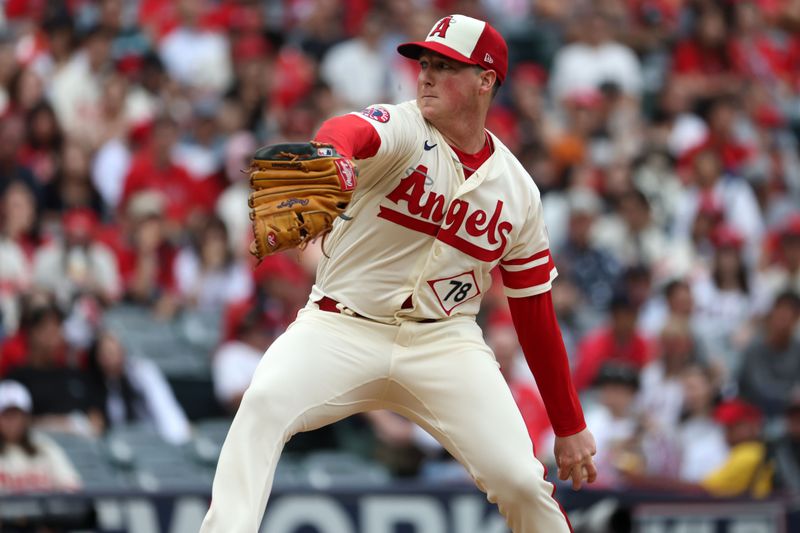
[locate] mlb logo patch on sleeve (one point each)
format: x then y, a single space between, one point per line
376 113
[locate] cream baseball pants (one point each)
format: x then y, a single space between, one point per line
441 375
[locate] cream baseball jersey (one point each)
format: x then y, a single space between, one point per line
417 228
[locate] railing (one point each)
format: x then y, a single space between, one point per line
397 508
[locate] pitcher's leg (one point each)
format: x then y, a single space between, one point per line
321 370
460 396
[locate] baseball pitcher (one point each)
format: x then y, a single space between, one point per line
417 203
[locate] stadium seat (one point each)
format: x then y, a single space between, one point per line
326 469
91 461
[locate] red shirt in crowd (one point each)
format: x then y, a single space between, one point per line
182 193
603 347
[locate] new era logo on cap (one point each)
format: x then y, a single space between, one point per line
464 39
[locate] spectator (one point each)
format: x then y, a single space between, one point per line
77 87
238 151
19 218
675 301
786 451
37 357
635 282
533 122
661 396
724 302
29 461
700 62
153 169
318 29
593 270
684 128
747 471
615 423
200 149
701 438
249 96
113 117
355 69
42 148
630 234
593 59
574 143
730 195
618 342
14 280
573 317
26 90
196 57
134 390
208 275
12 136
771 363
235 361
40 338
784 274
72 187
146 262
61 39
757 53
78 266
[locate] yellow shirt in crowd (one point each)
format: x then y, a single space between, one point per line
745 472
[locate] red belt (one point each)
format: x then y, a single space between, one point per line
330 305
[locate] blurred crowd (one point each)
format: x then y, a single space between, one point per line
663 135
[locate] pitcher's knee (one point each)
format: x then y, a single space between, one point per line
520 485
266 408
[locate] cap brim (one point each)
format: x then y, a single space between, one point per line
414 50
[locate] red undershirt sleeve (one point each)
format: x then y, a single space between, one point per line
540 337
351 136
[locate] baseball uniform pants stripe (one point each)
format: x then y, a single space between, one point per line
440 375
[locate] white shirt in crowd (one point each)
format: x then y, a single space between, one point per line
197 58
68 271
47 470
704 448
581 67
214 289
356 73
163 409
14 279
232 369
660 397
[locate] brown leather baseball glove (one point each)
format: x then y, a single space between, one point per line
297 191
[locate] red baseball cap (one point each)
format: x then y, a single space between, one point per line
735 411
464 39
726 236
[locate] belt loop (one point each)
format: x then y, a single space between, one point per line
345 310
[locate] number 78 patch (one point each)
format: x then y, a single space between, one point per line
455 290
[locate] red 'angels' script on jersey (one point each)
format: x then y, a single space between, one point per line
434 221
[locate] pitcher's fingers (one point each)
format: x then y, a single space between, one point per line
577 475
591 471
563 472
